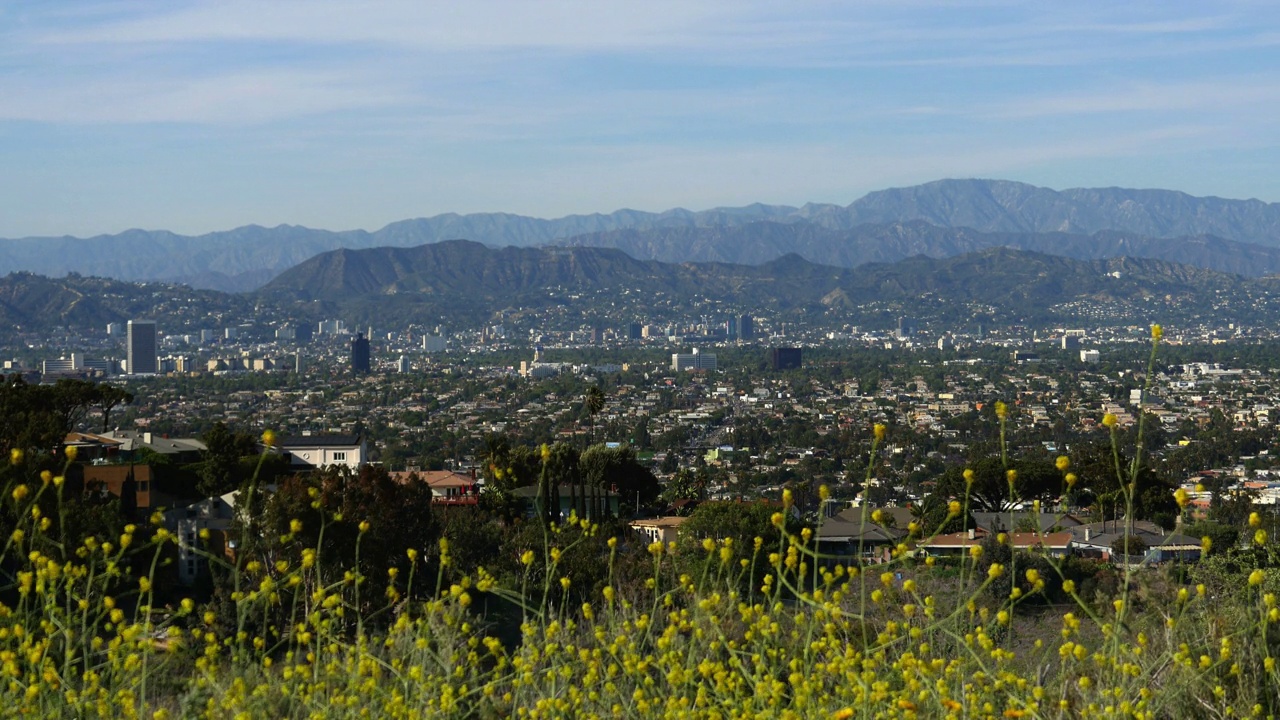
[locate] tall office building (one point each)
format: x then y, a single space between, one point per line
693 361
360 354
785 358
635 331
140 348
746 328
906 327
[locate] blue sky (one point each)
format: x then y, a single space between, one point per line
338 114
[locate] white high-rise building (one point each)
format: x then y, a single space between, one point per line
140 348
693 361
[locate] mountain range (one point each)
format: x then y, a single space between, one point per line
1013 285
938 219
464 284
762 241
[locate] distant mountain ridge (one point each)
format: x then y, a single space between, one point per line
244 258
763 241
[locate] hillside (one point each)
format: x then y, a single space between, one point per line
30 302
246 257
462 276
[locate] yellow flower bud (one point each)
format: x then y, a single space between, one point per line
269 438
15 456
1157 332
878 430
1062 463
1181 497
1256 577
1002 410
1109 420
1255 520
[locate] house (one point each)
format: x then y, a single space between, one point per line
131 483
214 514
1024 521
661 529
179 451
533 504
447 487
1057 544
1097 540
93 448
312 452
846 535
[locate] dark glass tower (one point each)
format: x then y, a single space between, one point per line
360 354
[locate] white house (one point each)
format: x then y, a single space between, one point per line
318 451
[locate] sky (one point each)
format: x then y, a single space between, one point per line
337 114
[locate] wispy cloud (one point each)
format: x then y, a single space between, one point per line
1222 95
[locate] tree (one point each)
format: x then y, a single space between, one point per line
670 462
682 486
741 523
220 468
399 516
109 396
618 470
1221 537
990 491
594 403
1130 545
38 417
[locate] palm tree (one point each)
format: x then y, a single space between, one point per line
497 455
594 403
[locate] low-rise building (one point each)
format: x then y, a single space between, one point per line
320 451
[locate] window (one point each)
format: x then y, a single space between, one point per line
339 457
144 486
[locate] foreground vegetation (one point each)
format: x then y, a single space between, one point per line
313 618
